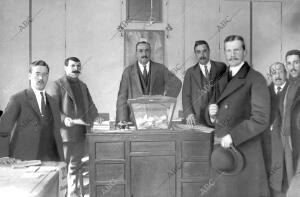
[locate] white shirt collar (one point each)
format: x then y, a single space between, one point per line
141 66
39 97
202 68
234 70
281 87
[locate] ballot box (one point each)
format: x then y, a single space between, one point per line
152 112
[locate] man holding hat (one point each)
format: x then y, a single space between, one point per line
240 111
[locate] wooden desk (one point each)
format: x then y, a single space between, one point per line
149 163
18 182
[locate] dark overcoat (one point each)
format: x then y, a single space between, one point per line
162 82
244 110
62 92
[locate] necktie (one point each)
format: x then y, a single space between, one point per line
43 104
230 75
278 89
206 72
145 74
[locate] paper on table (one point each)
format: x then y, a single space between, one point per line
199 127
26 163
80 122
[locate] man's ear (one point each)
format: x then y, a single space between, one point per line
245 52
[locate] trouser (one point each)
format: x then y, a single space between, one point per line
73 152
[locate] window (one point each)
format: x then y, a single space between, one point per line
144 10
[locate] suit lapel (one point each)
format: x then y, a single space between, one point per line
65 84
213 71
235 83
223 81
136 79
33 102
197 75
153 69
51 104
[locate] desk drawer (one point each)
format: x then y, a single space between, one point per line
151 146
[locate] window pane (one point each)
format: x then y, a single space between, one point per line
140 10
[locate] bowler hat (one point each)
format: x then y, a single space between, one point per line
228 161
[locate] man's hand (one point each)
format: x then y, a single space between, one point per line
226 141
212 111
190 120
99 120
68 122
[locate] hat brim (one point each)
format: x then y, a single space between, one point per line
238 162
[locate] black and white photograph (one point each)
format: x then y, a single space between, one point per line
150 98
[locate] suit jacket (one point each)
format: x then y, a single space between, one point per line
195 93
162 82
294 125
286 137
20 126
62 92
272 144
244 111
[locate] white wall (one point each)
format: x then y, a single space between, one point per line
85 29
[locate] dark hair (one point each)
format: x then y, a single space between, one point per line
74 59
292 52
235 37
201 42
38 63
142 42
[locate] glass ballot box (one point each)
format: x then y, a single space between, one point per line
152 112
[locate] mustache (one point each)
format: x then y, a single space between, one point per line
41 82
76 71
278 79
293 70
202 58
144 56
233 58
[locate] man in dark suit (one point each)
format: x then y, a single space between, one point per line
78 112
145 77
272 144
29 126
240 111
290 128
198 84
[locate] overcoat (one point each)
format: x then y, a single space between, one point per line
244 110
61 91
162 82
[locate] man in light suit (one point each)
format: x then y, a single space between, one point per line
78 112
240 113
198 84
29 126
145 77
